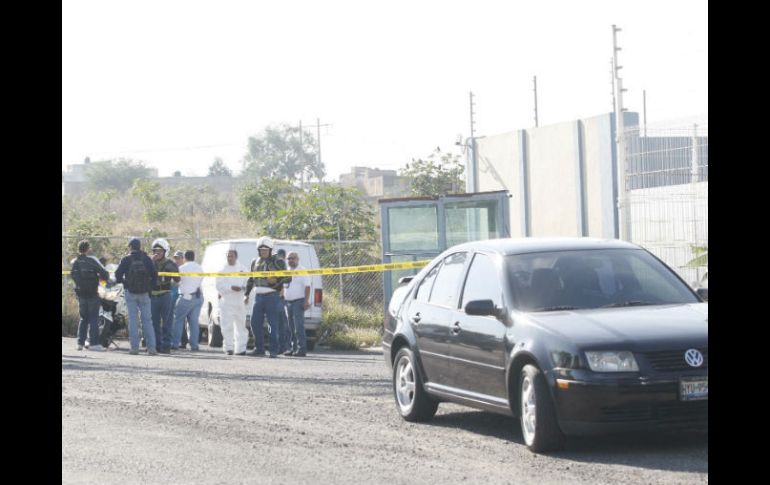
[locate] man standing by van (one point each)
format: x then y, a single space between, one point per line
160 297
297 296
232 307
189 302
267 301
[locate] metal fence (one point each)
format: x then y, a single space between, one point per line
667 192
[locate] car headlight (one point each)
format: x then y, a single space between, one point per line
612 361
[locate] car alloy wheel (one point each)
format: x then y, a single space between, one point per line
405 384
528 410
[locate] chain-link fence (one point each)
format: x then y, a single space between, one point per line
667 189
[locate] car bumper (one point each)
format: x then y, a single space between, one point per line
618 405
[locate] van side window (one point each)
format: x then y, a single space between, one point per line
448 280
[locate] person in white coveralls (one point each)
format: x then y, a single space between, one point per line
232 309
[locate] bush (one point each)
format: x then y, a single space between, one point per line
346 327
70 311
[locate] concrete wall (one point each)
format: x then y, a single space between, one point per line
501 168
554 180
597 135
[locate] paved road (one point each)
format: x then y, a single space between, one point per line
329 418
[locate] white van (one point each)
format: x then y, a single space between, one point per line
216 256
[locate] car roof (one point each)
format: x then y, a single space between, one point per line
542 244
282 242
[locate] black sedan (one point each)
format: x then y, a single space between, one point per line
570 335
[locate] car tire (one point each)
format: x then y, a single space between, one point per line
537 414
412 401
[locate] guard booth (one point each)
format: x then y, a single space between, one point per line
419 228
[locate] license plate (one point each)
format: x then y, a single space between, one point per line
694 389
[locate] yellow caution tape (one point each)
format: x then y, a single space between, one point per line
306 272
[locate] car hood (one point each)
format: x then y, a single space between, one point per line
633 328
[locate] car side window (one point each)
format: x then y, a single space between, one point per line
423 291
448 280
483 282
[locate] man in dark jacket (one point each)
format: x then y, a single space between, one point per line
267 301
160 296
138 275
86 272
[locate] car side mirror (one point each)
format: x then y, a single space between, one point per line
483 308
703 293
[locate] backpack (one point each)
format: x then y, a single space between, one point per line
137 276
85 276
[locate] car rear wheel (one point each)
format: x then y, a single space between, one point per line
538 417
413 403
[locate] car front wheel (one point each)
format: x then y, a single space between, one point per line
538 417
413 403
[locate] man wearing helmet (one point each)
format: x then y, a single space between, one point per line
267 300
160 297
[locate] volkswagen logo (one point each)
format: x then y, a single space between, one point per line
693 357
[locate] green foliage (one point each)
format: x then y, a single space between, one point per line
324 212
439 174
154 205
219 169
701 259
346 327
277 153
118 175
70 312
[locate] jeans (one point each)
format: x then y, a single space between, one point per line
161 319
296 311
189 309
265 304
89 320
139 304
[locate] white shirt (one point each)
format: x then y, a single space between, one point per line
190 284
224 283
296 288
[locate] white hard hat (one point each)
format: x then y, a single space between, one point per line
161 243
265 242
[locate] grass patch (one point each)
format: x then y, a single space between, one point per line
347 327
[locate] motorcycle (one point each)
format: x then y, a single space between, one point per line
113 314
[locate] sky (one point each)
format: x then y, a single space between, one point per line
177 83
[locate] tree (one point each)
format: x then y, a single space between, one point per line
277 153
118 175
219 169
324 212
439 174
154 206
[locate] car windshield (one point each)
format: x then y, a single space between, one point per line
597 278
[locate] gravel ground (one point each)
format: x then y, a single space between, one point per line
206 417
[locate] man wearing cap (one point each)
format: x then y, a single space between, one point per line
266 301
137 274
188 306
232 308
160 296
86 272
297 295
284 333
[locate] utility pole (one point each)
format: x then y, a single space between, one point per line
612 80
624 212
318 126
302 156
644 110
535 83
471 184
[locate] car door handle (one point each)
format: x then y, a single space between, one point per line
456 328
416 318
